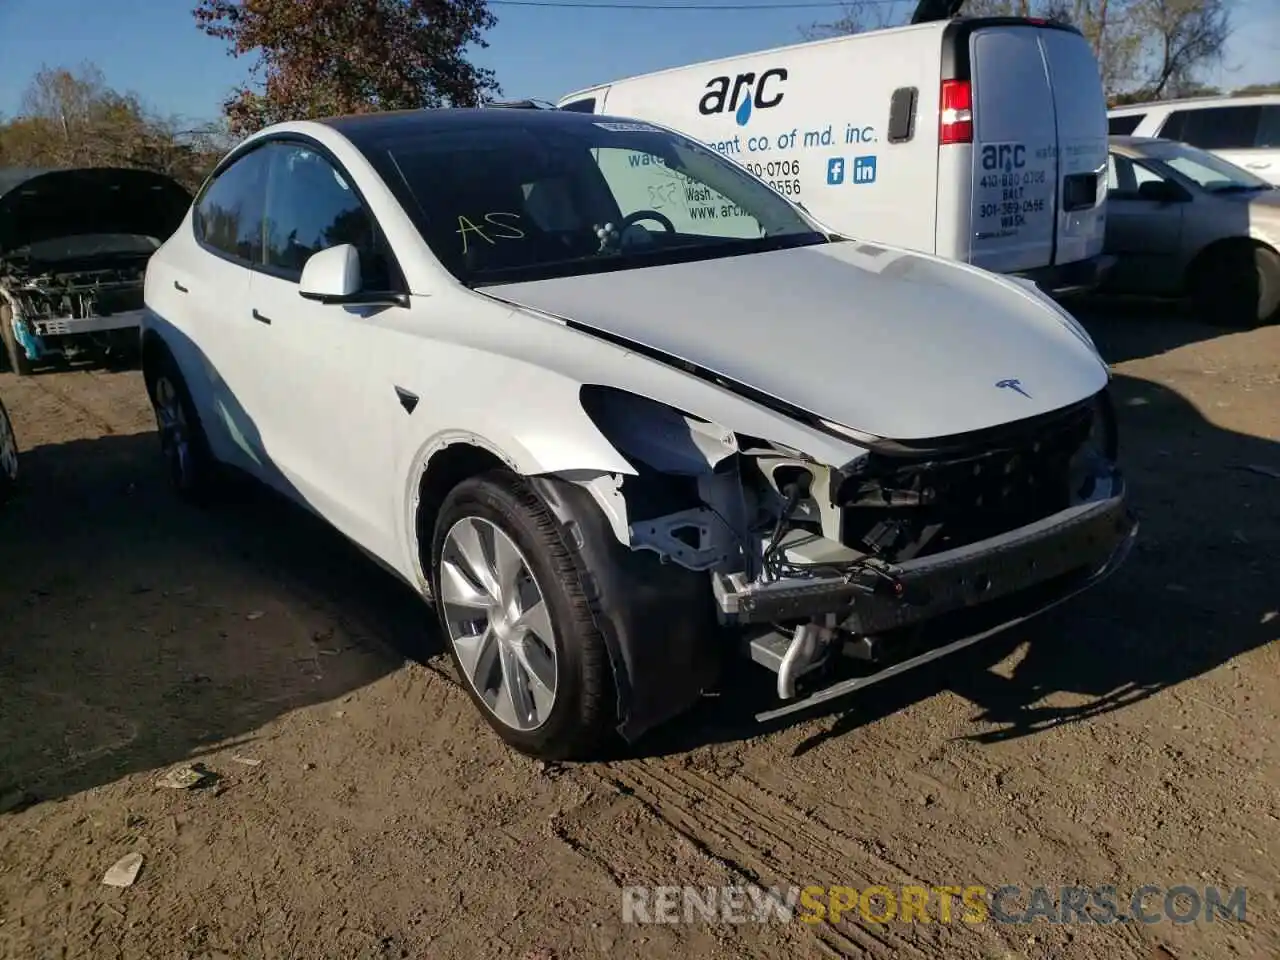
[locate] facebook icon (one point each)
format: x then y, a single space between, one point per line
835 171
864 170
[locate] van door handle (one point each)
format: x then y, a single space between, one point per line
261 318
179 287
1257 166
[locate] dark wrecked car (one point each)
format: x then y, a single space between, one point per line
74 246
8 455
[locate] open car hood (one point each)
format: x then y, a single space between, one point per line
40 205
884 341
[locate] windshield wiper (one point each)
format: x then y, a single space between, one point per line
1242 188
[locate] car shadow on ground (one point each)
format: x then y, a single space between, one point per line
1198 590
142 632
1129 328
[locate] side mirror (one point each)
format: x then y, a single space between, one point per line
1162 191
332 275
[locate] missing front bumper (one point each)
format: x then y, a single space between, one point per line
1035 604
1079 538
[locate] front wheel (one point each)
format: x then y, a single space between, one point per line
520 631
8 456
1237 286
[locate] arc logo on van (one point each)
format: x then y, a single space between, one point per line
742 94
1004 156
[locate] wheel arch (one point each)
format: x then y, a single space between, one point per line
154 349
451 456
1206 254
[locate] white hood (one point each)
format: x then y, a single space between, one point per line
884 341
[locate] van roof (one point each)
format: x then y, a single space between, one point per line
934 26
1224 99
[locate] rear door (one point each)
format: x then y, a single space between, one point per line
1080 109
1040 148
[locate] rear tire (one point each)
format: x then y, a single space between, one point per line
8 456
16 356
520 631
193 472
1237 286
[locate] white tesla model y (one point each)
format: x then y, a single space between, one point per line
618 409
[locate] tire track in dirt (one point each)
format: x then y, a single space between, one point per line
754 839
62 396
733 831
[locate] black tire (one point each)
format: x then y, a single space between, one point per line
1237 286
8 456
193 472
583 714
17 357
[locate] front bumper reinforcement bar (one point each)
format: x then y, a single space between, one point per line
1120 548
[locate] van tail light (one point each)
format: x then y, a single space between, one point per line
956 116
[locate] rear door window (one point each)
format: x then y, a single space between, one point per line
1214 128
228 216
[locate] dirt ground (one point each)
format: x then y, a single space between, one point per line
1130 738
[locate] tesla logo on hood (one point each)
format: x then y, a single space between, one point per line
1015 385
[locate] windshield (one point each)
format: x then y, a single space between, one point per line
512 202
1210 172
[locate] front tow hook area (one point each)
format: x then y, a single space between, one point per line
801 643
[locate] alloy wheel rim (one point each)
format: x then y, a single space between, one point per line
498 623
8 448
172 421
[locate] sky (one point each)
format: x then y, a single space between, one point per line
152 47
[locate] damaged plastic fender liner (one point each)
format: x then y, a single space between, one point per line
658 620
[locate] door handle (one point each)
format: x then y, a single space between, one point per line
179 287
261 318
1257 166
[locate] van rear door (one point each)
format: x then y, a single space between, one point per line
1080 106
1040 135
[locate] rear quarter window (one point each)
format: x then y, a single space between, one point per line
1214 128
1123 126
1269 128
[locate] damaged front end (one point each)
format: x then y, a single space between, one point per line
74 247
906 553
72 309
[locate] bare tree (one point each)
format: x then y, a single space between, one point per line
859 16
1185 38
72 118
1145 48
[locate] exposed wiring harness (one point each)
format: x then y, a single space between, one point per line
778 567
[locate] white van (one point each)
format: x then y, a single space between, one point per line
982 140
1242 130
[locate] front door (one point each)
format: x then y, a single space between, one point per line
1145 235
325 434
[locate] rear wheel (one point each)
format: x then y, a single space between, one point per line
8 456
1237 285
13 350
192 470
520 631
